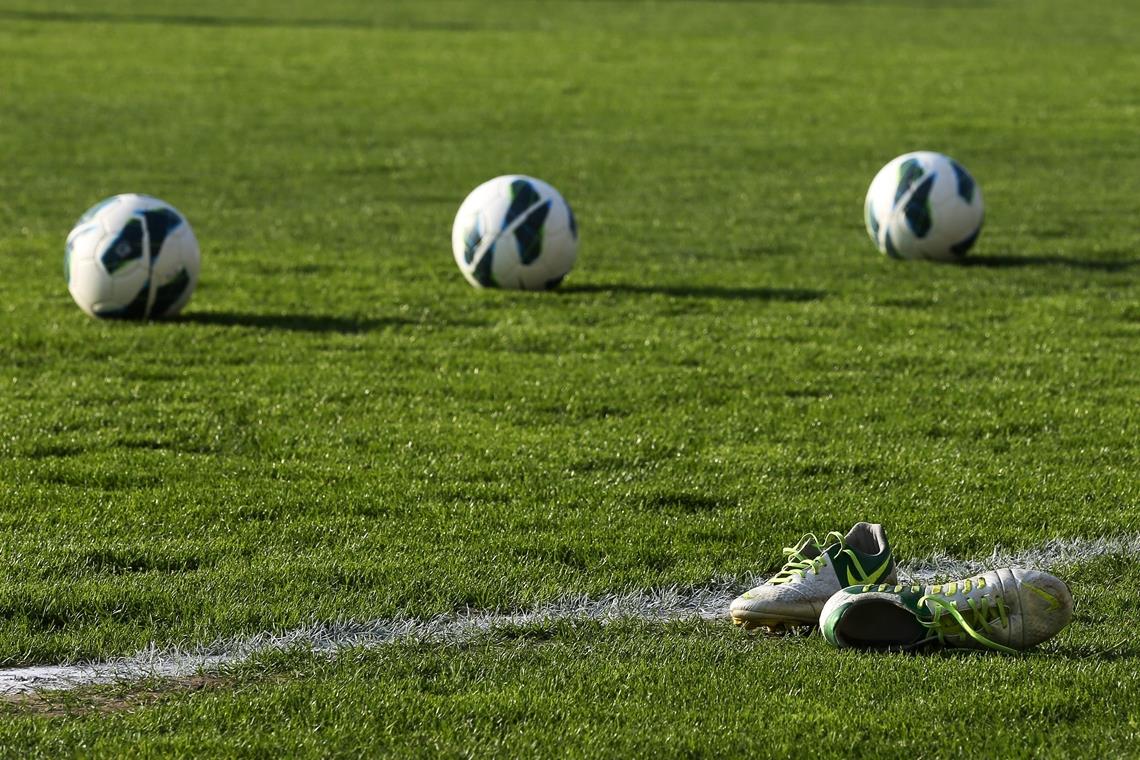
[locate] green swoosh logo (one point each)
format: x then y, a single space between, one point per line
871 577
1054 602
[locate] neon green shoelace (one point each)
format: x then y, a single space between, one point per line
941 588
948 620
797 565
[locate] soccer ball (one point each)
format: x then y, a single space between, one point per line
131 257
515 232
924 205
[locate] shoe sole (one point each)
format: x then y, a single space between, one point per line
751 622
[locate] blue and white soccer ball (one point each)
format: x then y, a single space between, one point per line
132 257
515 232
924 205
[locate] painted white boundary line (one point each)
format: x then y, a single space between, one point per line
1056 553
705 603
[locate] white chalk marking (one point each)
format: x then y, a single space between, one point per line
708 602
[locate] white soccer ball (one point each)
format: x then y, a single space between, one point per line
924 205
515 232
132 257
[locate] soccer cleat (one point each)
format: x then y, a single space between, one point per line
1006 610
796 595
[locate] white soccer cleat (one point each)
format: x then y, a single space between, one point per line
797 594
1007 610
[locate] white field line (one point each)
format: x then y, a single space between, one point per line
707 602
1055 554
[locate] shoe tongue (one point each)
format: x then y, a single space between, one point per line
809 547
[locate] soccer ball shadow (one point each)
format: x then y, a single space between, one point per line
697 291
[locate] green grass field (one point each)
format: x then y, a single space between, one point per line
340 429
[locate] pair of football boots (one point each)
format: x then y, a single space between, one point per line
848 586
